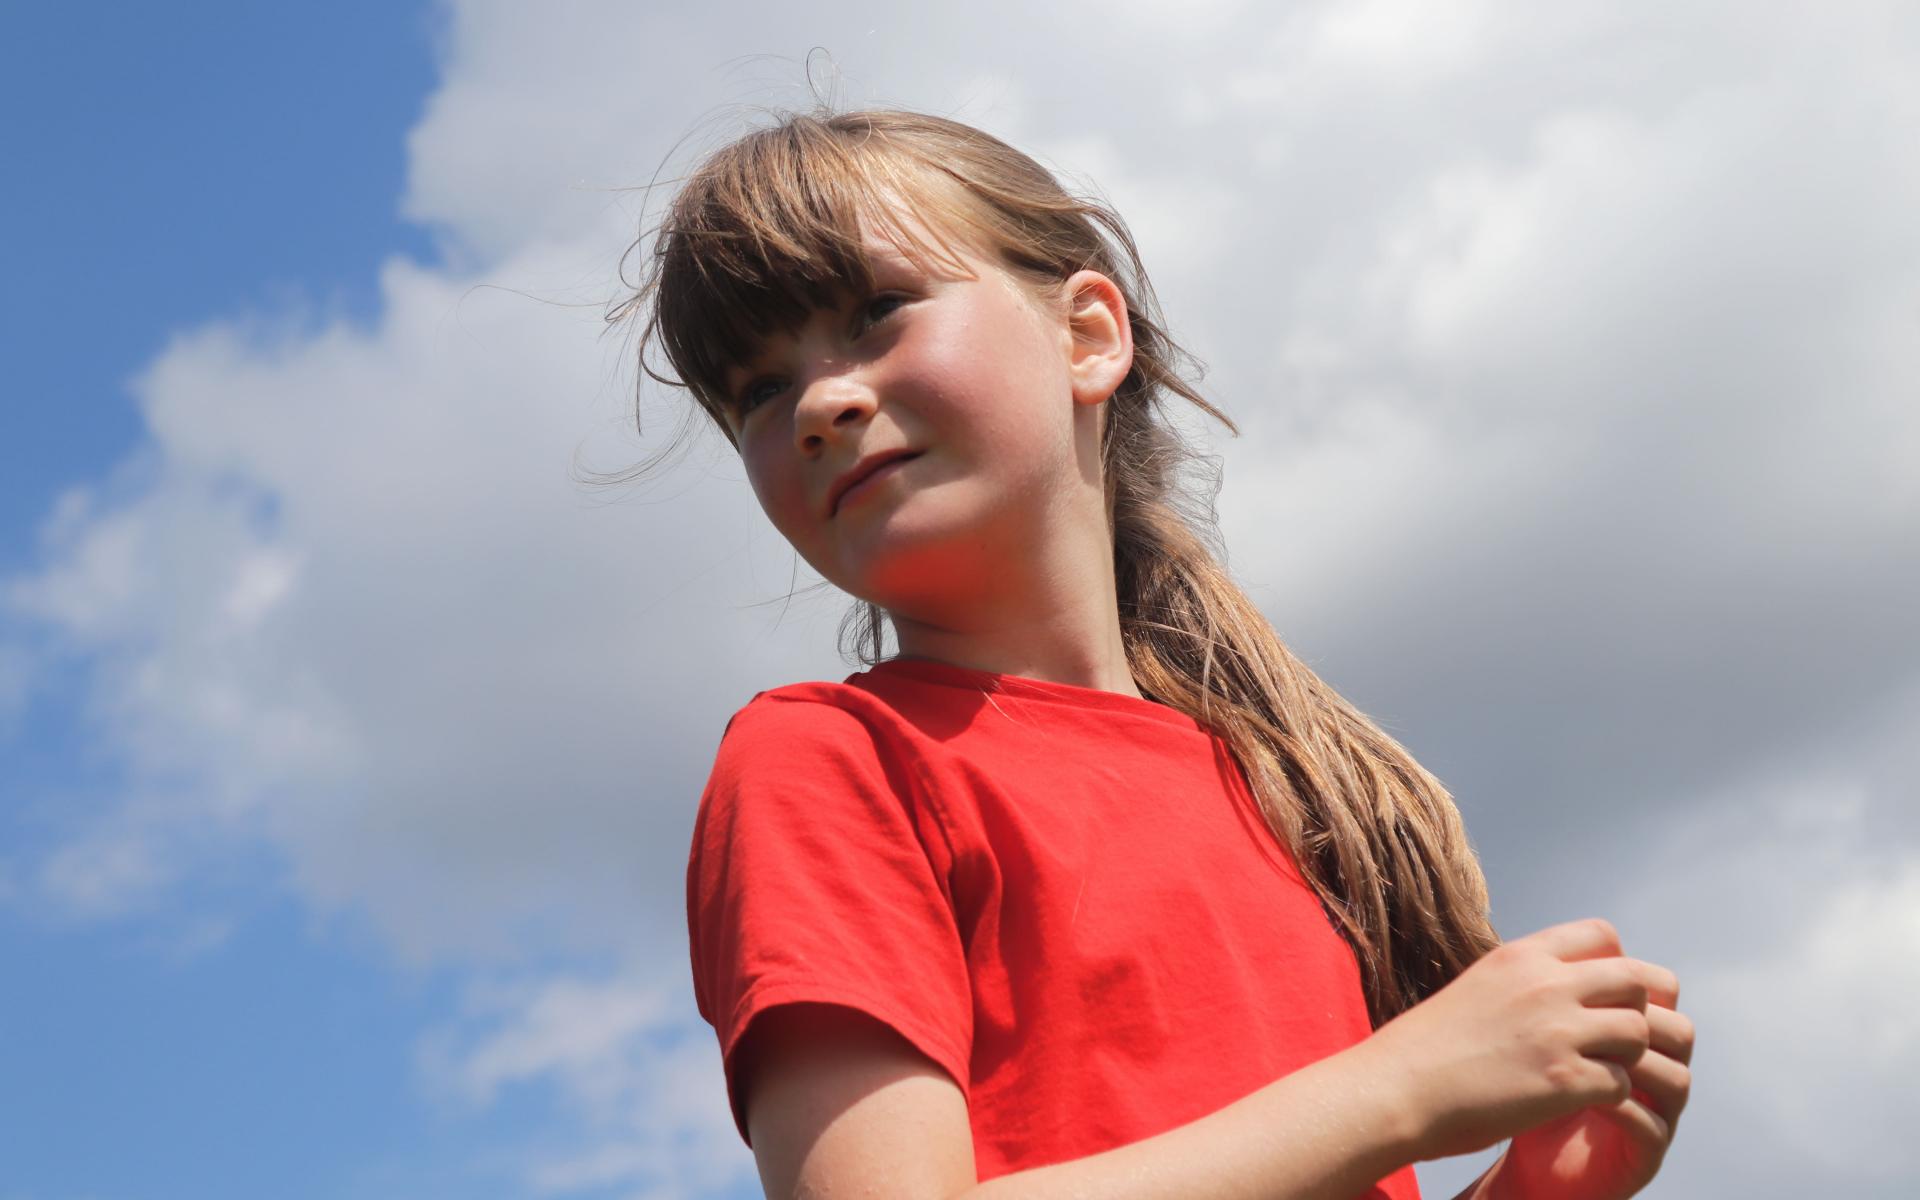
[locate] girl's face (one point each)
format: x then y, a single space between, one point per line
974 379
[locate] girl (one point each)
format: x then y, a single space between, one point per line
1093 889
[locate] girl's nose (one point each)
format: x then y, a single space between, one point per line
832 404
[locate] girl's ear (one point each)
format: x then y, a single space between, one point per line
1102 352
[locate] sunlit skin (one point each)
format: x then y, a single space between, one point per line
990 550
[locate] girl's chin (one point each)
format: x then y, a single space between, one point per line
909 585
912 548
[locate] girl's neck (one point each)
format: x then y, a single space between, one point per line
1106 675
1062 626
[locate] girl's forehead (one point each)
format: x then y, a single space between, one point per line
937 244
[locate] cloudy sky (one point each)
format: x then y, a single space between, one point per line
350 741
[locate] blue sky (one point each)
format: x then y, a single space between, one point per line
349 744
174 163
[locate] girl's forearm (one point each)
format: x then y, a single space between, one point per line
1328 1131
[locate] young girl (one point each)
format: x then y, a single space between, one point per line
1093 889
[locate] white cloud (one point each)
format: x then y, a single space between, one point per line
1788 901
103 876
1859 956
621 1056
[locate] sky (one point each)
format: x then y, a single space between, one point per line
350 738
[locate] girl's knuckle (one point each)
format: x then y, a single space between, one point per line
1557 1037
1562 1075
1637 992
1545 991
1504 954
1622 1083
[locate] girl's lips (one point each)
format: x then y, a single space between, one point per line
867 482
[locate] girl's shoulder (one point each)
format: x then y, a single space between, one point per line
814 701
812 745
810 691
791 716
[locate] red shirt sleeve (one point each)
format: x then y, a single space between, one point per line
812 877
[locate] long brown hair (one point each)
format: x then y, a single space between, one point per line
767 229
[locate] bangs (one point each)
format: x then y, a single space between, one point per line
771 232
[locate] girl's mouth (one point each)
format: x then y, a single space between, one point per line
871 479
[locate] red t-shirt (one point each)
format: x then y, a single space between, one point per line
1065 897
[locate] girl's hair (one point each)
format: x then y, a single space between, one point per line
768 228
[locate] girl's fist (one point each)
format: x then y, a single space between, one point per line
1537 1029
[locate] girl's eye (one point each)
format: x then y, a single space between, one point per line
751 395
877 301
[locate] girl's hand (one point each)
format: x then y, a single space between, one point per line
1537 1031
1609 1151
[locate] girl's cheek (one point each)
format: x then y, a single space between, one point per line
767 490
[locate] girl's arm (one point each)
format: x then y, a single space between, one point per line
1328 1131
1536 1030
838 1104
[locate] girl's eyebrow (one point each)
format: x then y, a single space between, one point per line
883 256
884 253
847 296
